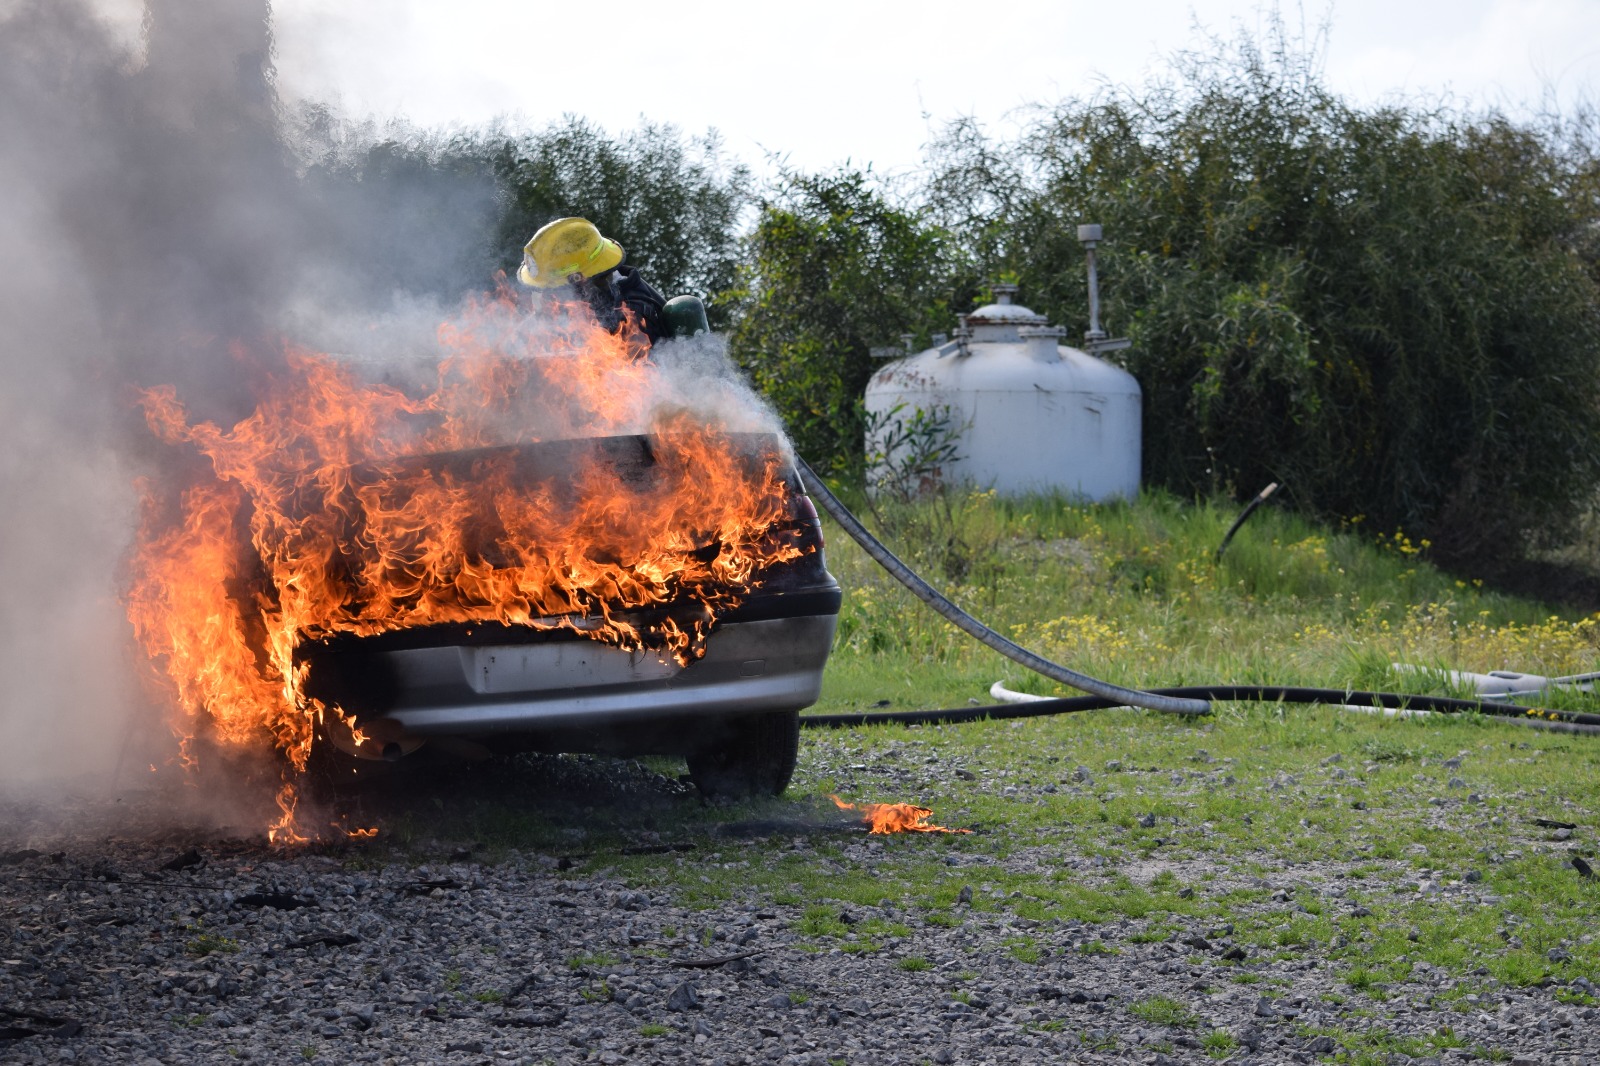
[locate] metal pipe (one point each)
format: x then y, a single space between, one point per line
1090 236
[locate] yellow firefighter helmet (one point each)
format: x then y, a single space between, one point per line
565 247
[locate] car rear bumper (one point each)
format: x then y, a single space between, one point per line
767 655
773 665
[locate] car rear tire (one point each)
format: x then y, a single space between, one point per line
750 756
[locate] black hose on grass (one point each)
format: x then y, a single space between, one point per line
1111 695
1544 717
1249 509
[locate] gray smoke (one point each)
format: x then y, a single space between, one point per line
155 228
162 220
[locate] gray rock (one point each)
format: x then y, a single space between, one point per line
683 998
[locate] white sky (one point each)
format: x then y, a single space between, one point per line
829 80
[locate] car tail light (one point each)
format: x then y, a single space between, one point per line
803 511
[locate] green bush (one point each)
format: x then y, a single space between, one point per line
1394 311
834 268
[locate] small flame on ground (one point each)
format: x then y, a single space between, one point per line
357 833
895 817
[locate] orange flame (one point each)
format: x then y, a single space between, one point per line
895 817
322 513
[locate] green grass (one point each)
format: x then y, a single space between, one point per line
206 942
592 961
1164 1010
1218 1044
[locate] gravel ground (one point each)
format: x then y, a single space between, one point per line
136 944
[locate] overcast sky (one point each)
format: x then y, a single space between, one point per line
866 80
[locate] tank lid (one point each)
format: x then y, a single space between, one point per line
1004 312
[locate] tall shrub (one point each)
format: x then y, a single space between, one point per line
835 267
1385 308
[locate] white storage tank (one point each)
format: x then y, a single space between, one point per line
1023 412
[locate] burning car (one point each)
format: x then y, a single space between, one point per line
552 546
728 701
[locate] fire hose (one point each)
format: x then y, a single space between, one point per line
1185 700
1120 697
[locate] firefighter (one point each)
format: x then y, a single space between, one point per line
571 252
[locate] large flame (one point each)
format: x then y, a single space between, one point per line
322 513
895 817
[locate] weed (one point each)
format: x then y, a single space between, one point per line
914 964
1218 1043
1164 1010
1364 980
653 1029
1098 1040
822 921
204 942
1387 749
591 961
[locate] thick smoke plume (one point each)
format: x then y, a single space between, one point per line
150 230
156 229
